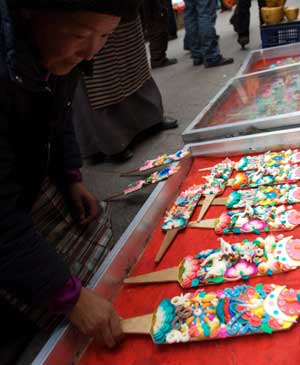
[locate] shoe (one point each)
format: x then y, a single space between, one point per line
168 123
243 40
167 62
118 157
220 62
197 61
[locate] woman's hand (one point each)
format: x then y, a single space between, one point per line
96 317
84 205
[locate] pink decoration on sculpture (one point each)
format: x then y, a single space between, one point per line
293 249
254 225
294 217
240 269
134 187
224 221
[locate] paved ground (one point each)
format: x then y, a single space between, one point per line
186 90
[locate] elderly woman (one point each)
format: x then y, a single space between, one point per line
42 42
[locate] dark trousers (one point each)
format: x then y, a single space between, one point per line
241 16
157 34
172 28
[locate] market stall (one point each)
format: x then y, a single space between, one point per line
135 252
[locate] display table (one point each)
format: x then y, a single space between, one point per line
135 253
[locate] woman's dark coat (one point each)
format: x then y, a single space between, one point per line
36 139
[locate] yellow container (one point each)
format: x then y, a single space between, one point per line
272 15
274 3
291 13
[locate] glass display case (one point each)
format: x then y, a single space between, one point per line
261 101
270 58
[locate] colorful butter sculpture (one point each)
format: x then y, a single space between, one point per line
223 170
268 159
279 95
178 216
265 196
181 211
215 185
154 178
243 260
263 256
258 219
266 176
164 160
285 62
219 175
238 311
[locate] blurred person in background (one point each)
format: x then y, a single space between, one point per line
172 28
200 19
155 17
241 20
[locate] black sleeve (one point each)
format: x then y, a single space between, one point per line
152 9
29 267
65 152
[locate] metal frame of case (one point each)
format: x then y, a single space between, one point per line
196 133
66 346
267 53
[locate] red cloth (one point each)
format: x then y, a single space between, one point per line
276 349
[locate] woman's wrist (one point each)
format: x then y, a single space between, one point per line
66 298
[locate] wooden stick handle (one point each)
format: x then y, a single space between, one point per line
216 201
141 324
125 173
205 169
169 237
162 276
118 195
206 204
207 223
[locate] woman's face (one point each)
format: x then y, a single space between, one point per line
64 39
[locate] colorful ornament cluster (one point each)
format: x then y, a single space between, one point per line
265 196
164 160
266 176
278 95
181 211
156 177
241 310
268 159
284 62
216 181
262 256
257 220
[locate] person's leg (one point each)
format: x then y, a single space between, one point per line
192 31
206 16
158 38
241 21
172 28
